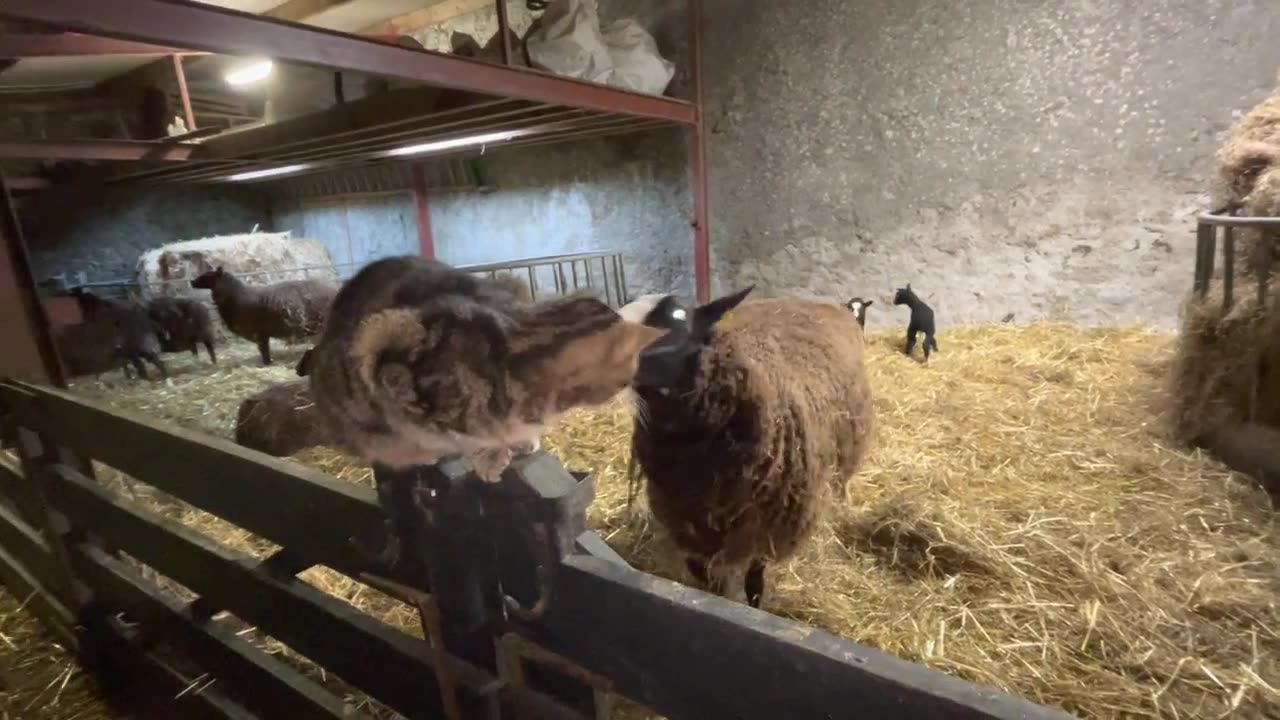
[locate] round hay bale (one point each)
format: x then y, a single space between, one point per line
1220 355
280 420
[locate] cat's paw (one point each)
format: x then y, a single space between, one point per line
489 464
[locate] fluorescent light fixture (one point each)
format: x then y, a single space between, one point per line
268 172
250 73
451 143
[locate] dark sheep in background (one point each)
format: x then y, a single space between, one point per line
134 338
746 424
289 310
858 307
185 324
921 321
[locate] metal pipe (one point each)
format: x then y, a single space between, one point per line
698 161
422 206
1228 266
504 30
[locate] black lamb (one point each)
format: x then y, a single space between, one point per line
136 336
858 307
921 321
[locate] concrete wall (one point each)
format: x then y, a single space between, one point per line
1027 156
628 193
104 235
356 230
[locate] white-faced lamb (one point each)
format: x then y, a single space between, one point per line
858 307
289 310
748 420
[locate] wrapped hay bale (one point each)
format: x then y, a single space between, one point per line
1220 355
1249 176
280 420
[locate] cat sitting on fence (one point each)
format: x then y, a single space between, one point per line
420 361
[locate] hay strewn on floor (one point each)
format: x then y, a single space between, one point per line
39 680
1021 523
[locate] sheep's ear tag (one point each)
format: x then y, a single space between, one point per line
725 319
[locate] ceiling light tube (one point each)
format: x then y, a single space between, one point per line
267 172
451 143
250 73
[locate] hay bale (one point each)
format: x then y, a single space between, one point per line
1219 354
1249 175
280 420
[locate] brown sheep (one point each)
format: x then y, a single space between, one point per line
289 310
184 323
280 420
745 430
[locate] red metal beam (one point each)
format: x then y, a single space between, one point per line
95 150
206 27
421 204
181 76
698 164
28 45
29 347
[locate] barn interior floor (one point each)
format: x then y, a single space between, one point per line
1022 521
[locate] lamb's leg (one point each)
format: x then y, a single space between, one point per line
137 365
155 360
754 583
208 345
264 349
912 329
928 343
698 569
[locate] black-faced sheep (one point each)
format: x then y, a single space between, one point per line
858 307
134 336
289 310
185 324
747 423
921 321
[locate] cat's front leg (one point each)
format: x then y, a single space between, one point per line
490 463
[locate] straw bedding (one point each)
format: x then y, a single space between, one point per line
1021 522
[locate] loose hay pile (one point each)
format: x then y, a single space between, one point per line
1021 523
1223 357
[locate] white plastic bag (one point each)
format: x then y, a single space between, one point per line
569 42
637 65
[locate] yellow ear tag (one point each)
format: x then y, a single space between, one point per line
725 319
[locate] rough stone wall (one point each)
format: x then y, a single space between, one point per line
105 237
1027 156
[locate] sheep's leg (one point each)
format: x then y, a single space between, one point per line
912 329
698 569
754 583
264 348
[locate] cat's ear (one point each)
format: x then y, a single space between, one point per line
389 330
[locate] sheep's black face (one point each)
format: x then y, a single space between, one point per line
671 362
206 280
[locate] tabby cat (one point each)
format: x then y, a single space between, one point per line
420 361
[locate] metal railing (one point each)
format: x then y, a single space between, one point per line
1206 252
603 272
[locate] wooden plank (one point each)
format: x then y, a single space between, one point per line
24 545
348 643
677 642
289 503
262 683
435 14
38 601
300 10
144 683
